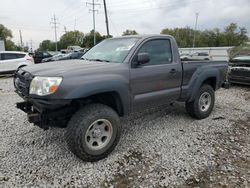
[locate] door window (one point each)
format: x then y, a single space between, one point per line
8 56
20 55
159 51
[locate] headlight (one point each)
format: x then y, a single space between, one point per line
44 85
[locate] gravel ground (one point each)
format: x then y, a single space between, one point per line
161 147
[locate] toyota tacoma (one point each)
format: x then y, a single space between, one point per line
117 77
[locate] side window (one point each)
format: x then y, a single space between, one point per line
45 54
203 54
159 51
8 56
20 55
0 56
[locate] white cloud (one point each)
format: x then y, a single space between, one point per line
146 16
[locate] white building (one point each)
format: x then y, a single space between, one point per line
217 53
2 46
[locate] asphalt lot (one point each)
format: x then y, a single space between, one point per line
158 148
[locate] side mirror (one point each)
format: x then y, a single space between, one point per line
143 58
140 59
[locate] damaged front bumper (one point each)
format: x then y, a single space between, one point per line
47 114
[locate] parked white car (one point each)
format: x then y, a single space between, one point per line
10 61
196 56
201 56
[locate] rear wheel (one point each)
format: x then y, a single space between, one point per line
93 132
203 103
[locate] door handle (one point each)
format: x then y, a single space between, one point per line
173 71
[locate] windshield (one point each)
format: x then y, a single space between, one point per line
111 50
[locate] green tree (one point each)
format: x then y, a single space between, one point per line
231 36
182 35
6 36
129 32
10 45
242 34
71 38
89 38
46 45
5 33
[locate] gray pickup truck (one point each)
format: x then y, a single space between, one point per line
117 77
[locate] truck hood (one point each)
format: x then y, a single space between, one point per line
63 68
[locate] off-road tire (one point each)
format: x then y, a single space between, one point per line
79 124
193 108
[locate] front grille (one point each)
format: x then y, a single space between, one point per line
240 72
22 81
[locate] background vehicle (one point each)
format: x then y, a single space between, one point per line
116 77
10 61
196 56
39 56
60 57
74 48
201 56
54 58
184 56
72 55
239 70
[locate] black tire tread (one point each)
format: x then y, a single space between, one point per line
192 108
74 126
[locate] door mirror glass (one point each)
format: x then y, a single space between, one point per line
143 58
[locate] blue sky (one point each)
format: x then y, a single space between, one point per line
33 17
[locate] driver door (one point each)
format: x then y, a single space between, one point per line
157 82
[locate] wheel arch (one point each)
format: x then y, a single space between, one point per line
110 98
210 77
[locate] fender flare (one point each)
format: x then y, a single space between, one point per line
198 79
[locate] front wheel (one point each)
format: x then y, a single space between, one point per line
93 132
203 103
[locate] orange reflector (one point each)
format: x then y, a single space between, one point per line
53 89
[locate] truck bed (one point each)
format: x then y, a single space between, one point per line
191 70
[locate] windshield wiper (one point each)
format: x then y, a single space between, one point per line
86 59
101 60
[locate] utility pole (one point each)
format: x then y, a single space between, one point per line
93 4
195 27
21 39
75 25
106 17
65 29
31 45
54 22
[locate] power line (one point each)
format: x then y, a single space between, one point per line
93 10
172 4
55 23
